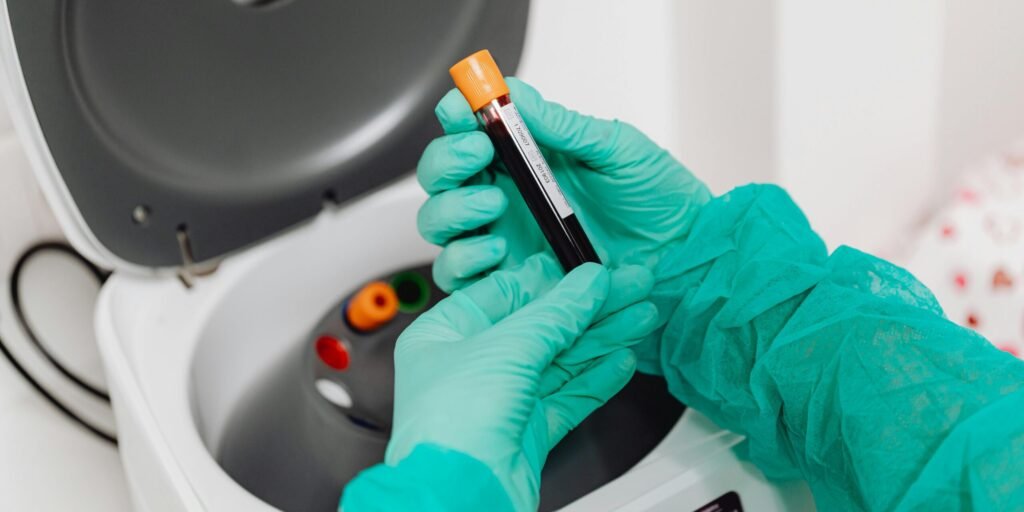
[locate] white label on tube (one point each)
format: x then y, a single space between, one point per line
531 152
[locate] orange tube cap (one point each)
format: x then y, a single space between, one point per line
373 306
479 79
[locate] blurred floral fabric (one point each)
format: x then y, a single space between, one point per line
971 252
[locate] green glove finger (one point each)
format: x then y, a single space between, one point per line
620 330
629 284
635 321
463 260
591 389
559 317
506 291
450 160
601 144
453 212
454 113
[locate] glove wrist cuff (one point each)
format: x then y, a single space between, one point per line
430 478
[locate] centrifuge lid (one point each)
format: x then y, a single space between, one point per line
230 120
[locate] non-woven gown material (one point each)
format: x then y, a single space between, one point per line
841 369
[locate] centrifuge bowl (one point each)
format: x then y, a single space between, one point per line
293 449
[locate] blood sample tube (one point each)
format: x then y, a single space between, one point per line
480 81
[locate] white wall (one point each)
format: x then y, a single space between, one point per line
725 88
857 110
864 111
694 75
881 104
607 58
982 83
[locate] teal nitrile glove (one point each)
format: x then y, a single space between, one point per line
631 196
475 388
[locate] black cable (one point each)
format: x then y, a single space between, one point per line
23 321
53 400
19 314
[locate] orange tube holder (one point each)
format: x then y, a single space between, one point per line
371 307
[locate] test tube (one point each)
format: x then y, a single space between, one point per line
481 82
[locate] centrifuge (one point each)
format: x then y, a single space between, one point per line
243 167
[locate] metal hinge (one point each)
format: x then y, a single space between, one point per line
190 270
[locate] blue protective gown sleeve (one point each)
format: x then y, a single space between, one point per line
841 369
431 478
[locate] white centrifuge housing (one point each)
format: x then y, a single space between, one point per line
239 166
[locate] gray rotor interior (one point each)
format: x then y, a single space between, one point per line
292 448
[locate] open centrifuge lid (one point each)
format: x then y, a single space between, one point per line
229 120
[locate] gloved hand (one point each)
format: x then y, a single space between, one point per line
840 369
473 377
631 196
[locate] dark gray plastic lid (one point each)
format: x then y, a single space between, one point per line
233 121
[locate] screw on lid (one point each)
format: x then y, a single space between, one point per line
479 79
